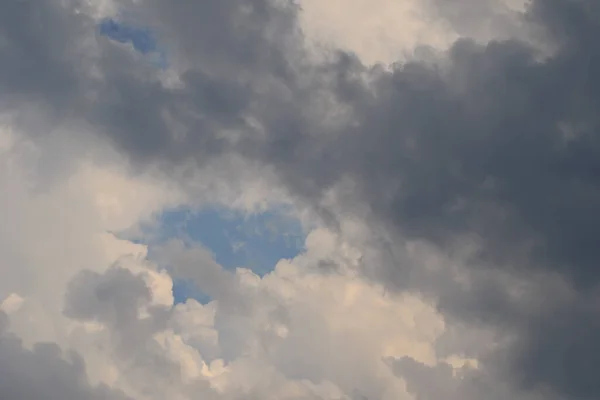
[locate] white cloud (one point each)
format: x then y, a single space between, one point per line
50 232
303 323
378 31
389 30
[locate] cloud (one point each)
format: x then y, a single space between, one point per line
42 372
388 31
285 335
468 180
292 326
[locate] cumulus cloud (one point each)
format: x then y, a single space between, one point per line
287 335
451 200
388 31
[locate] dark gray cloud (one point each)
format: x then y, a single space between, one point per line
37 45
231 52
455 384
496 142
501 146
121 302
44 372
115 299
559 348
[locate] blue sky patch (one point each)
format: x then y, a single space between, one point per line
256 241
142 39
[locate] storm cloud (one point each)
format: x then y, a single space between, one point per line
494 144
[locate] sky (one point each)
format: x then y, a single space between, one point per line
299 200
255 241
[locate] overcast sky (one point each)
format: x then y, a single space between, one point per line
310 200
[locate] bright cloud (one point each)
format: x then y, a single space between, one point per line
386 31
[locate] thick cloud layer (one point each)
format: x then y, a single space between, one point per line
472 172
